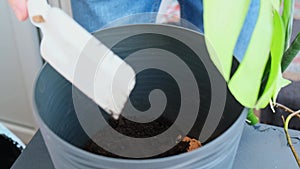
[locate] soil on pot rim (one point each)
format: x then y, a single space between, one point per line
140 130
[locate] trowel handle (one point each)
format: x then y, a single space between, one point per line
71 50
63 38
37 10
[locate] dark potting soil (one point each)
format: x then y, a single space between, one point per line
139 130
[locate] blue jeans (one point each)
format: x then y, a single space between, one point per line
95 14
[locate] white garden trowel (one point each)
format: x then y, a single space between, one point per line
82 59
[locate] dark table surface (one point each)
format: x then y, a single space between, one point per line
262 147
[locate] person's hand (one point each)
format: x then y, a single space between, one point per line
20 8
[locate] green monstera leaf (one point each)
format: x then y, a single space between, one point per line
275 80
223 21
291 52
287 16
246 81
268 42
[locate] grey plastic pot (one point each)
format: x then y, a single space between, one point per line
64 136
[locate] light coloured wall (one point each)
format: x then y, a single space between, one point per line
19 65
